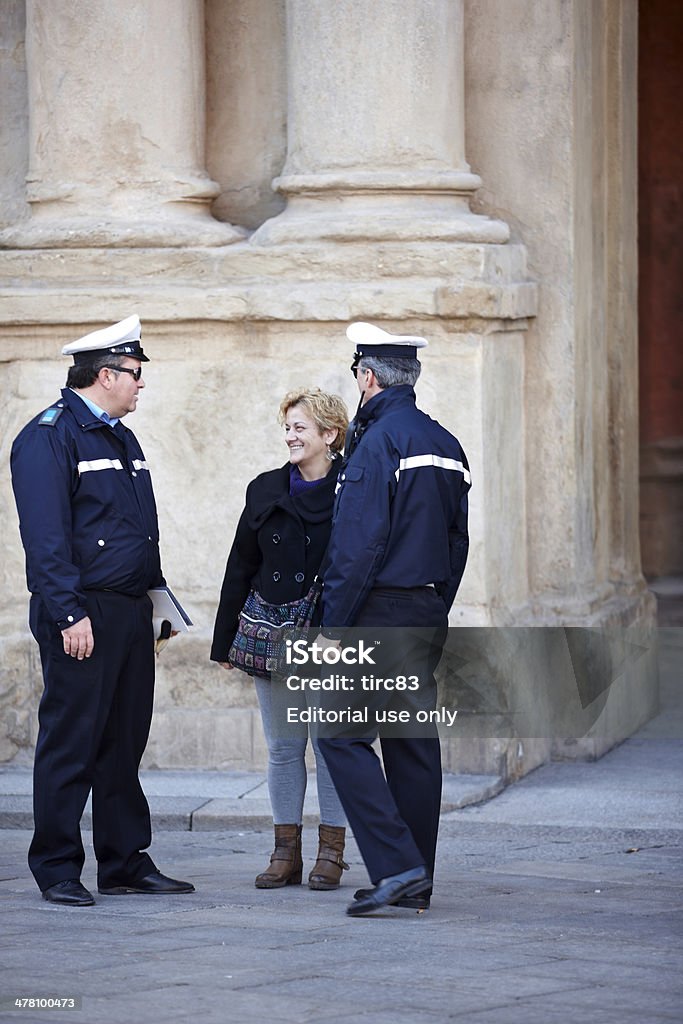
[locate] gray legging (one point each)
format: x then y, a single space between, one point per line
287 767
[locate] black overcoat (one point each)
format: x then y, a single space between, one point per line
278 546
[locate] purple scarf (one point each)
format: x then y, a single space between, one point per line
297 484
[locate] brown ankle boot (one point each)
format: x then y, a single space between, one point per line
286 864
328 867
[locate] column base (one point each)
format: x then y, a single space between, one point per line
169 227
346 219
379 207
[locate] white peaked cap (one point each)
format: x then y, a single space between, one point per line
367 337
121 339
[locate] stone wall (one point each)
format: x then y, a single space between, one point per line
485 198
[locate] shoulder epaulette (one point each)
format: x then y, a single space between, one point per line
50 416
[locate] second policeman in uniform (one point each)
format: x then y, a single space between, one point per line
397 553
88 524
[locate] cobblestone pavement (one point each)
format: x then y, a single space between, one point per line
558 900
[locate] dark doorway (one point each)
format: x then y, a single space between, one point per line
660 251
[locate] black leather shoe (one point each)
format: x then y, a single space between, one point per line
70 892
390 890
411 902
155 884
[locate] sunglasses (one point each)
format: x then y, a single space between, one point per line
136 374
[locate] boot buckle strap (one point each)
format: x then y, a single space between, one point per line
333 857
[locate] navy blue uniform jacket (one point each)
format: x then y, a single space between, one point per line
87 513
400 516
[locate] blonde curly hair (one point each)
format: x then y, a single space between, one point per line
327 411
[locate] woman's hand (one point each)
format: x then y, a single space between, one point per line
226 664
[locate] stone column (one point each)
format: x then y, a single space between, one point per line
246 107
116 114
376 125
14 120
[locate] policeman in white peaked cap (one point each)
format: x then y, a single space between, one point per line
396 556
88 524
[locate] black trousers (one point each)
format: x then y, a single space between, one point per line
394 815
94 720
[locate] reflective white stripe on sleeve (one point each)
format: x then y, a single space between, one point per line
139 464
96 464
418 461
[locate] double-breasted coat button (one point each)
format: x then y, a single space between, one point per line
276 576
299 577
276 538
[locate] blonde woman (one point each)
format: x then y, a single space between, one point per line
280 541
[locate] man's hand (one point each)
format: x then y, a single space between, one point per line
226 664
78 639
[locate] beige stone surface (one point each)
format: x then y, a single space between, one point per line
246 107
526 289
559 164
364 160
13 89
116 97
20 688
205 738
